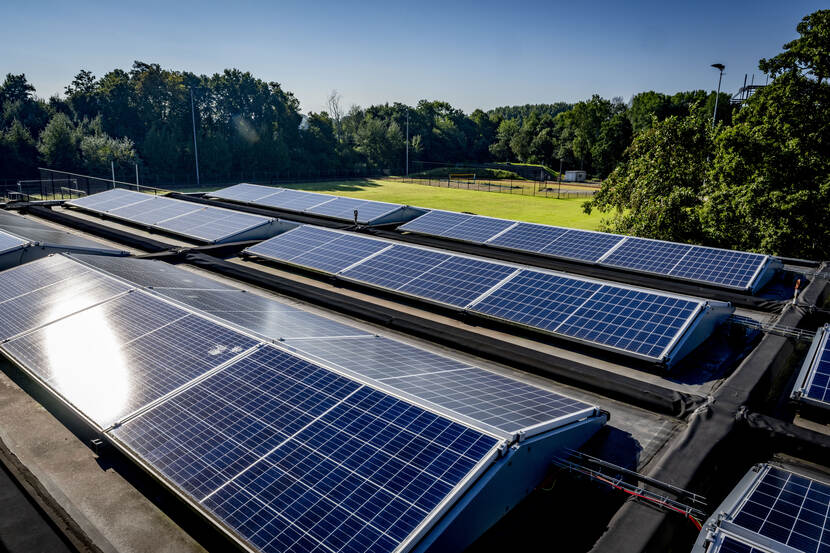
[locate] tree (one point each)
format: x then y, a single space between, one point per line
809 54
501 149
336 114
18 151
656 190
60 144
15 88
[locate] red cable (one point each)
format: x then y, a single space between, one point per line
653 500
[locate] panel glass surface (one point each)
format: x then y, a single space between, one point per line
343 208
477 229
724 267
528 237
116 357
629 320
790 509
264 316
457 281
9 242
109 199
294 200
316 462
44 290
395 267
36 231
582 245
154 210
288 245
733 545
151 272
819 388
647 255
342 252
435 222
212 224
536 299
245 192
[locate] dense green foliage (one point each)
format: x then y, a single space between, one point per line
760 183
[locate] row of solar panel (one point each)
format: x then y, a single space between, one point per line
637 322
334 207
10 242
730 269
813 384
780 511
208 224
291 455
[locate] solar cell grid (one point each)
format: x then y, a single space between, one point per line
150 272
396 266
647 255
457 281
788 508
362 471
477 229
582 245
36 274
819 386
154 210
342 252
536 299
729 268
294 200
290 244
435 222
528 237
733 545
109 199
244 192
116 357
629 320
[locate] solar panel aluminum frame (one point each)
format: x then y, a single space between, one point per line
718 539
266 229
808 369
25 242
721 520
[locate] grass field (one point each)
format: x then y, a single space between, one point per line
566 212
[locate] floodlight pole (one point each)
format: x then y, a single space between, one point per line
195 146
407 142
720 67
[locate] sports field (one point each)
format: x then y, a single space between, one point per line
566 213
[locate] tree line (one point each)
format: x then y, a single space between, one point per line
247 127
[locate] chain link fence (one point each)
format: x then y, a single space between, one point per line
544 189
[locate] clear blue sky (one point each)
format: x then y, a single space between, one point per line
471 54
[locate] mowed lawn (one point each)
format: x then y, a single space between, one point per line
566 213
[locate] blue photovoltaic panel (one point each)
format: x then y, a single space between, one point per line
294 200
724 267
212 224
288 245
536 299
630 320
348 468
9 242
788 508
435 222
338 207
370 210
496 400
528 237
264 316
44 290
457 281
342 252
395 267
244 192
818 383
154 210
477 229
582 245
114 358
109 199
652 256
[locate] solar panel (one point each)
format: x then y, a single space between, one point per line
348 469
114 358
395 267
109 199
725 267
582 245
818 385
209 224
730 544
477 229
457 281
342 252
435 222
245 192
536 299
528 237
630 320
788 508
44 290
290 244
647 255
150 272
294 200
35 231
264 316
9 242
